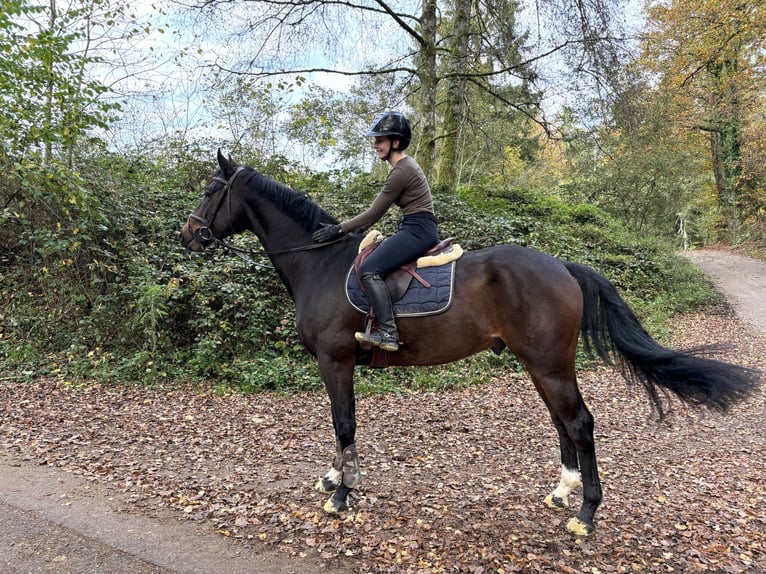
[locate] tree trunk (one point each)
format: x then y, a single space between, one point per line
426 106
48 151
725 143
453 115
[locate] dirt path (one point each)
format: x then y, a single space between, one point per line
119 480
741 279
55 522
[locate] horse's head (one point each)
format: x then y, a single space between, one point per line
212 220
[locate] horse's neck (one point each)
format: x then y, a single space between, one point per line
307 274
275 230
274 226
278 232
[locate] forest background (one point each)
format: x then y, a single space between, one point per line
598 131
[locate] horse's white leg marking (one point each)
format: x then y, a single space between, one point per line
570 480
331 481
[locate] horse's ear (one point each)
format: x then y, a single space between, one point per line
227 165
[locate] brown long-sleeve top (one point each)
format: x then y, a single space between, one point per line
406 186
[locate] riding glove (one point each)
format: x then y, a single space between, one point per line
326 233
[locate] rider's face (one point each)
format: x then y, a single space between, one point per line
381 145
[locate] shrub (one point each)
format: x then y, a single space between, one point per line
137 307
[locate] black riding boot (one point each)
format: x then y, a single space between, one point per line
386 337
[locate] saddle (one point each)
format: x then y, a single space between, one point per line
399 280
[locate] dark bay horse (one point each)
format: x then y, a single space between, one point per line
505 296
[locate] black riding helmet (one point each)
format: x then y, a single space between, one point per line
392 124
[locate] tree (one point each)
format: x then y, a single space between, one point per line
482 37
709 56
641 167
436 54
53 107
48 107
47 102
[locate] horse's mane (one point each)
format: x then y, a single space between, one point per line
295 204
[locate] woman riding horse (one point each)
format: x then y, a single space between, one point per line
506 296
407 187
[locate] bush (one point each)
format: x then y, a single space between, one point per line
137 307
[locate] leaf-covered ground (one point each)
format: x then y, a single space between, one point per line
453 482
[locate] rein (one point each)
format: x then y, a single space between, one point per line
298 249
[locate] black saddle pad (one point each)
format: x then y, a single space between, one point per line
419 300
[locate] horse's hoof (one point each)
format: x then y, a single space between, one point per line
326 485
556 502
580 528
332 506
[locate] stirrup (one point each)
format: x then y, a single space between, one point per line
378 339
364 338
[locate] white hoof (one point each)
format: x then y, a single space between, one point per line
580 528
334 507
556 502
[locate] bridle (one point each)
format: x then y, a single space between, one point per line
204 236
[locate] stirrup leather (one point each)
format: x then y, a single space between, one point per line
364 338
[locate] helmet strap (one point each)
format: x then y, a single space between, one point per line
391 149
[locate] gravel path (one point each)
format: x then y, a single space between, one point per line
741 279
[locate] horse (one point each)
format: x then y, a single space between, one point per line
505 297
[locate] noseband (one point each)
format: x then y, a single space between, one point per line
203 235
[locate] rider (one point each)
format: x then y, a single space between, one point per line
407 187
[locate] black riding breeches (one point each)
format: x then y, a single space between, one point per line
417 234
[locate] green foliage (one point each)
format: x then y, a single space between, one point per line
134 306
53 222
46 102
637 166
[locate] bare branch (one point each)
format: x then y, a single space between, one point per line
385 9
521 108
273 73
398 19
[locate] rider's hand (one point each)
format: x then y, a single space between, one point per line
326 233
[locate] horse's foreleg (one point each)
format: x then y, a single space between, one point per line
345 473
331 481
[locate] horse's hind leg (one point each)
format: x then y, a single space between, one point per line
574 424
570 470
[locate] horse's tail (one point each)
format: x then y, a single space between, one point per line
611 330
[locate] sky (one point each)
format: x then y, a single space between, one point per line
161 74
161 71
